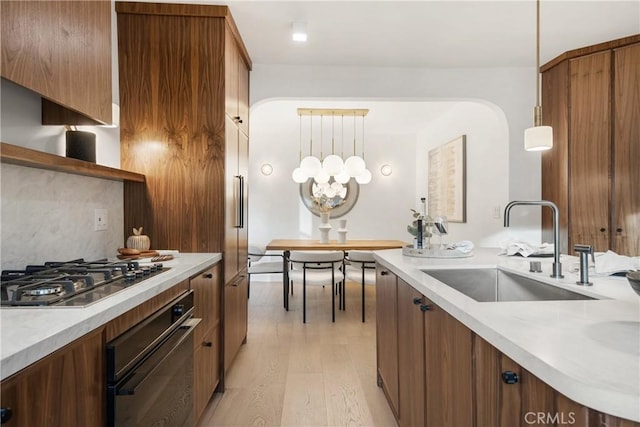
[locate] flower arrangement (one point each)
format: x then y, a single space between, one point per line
328 196
427 223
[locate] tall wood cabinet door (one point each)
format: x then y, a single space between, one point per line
243 95
590 150
411 378
171 127
231 62
235 317
555 162
626 198
448 369
387 334
233 205
243 171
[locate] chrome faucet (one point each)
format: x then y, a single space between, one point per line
557 267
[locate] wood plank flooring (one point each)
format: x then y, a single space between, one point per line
294 374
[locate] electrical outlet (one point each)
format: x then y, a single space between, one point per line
100 222
496 212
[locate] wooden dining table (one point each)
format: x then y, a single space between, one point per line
288 245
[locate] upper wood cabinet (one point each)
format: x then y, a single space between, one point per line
237 78
174 127
591 98
62 51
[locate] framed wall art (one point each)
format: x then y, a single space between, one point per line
447 185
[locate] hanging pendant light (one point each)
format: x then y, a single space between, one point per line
310 165
322 170
333 163
299 175
538 137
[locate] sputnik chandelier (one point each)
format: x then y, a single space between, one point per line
332 169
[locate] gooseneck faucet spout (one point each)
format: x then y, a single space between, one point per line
557 267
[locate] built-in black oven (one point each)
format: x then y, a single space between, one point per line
150 369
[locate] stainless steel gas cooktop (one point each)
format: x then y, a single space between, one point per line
71 283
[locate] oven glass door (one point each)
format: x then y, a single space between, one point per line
159 390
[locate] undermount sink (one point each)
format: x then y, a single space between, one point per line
493 285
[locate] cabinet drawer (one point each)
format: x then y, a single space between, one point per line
206 368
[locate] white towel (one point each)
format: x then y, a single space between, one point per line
463 246
526 249
610 263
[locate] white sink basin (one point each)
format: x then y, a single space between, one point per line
493 285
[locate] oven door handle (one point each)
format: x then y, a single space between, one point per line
175 340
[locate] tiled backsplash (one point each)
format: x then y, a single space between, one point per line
49 216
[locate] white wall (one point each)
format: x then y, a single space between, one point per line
510 90
49 215
409 131
487 190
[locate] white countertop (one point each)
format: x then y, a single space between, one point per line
588 350
28 334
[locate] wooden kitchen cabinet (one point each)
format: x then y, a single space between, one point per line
207 340
387 335
184 87
236 295
174 127
423 353
236 201
508 404
448 367
237 88
590 99
446 375
411 374
62 51
66 388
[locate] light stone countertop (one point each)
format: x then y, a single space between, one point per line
588 350
29 334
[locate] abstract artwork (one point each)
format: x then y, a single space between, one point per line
447 193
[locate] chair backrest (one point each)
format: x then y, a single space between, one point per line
316 259
361 259
255 253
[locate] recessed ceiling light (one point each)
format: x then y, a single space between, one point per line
299 32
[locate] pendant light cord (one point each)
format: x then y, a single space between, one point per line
537 52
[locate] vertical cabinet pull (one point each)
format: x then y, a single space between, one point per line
240 202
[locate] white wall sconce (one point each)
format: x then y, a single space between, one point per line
386 170
266 169
299 32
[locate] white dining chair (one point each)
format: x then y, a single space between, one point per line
255 265
361 267
318 268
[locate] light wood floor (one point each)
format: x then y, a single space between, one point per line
294 374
